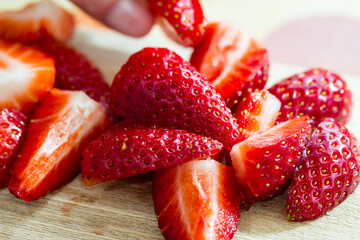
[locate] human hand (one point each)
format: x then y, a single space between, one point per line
130 17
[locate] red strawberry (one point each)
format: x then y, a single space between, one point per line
232 60
42 20
60 128
157 86
26 76
75 72
317 93
197 200
12 126
257 112
182 20
264 163
327 174
125 151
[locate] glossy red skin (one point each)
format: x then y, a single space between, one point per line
182 20
249 71
331 97
321 184
156 86
270 159
125 151
12 127
67 166
198 208
74 71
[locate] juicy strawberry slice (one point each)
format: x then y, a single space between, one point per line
327 174
74 71
197 200
157 86
182 20
317 93
264 163
125 151
37 21
26 76
232 60
12 126
257 112
62 125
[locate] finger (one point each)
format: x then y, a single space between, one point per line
131 17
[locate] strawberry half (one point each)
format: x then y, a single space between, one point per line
12 126
74 71
158 87
125 151
42 20
182 20
232 60
26 76
317 93
327 174
60 128
197 200
264 163
256 113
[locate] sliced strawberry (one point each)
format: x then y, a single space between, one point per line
327 174
26 76
264 163
197 200
232 60
74 71
257 112
62 125
42 20
317 93
125 151
157 86
12 126
182 20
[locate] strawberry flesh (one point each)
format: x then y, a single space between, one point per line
125 151
62 125
197 200
327 174
264 163
157 86
317 93
12 127
232 61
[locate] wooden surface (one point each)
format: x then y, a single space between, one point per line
123 209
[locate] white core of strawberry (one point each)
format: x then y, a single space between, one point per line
270 110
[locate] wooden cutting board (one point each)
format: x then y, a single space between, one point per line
123 209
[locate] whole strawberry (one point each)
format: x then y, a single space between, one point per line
317 93
157 86
327 174
12 126
125 151
182 20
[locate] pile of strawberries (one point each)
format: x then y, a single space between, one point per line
177 119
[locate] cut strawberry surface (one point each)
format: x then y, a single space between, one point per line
327 174
317 93
264 163
42 20
26 76
197 200
157 86
60 128
232 60
125 151
182 20
12 126
256 113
